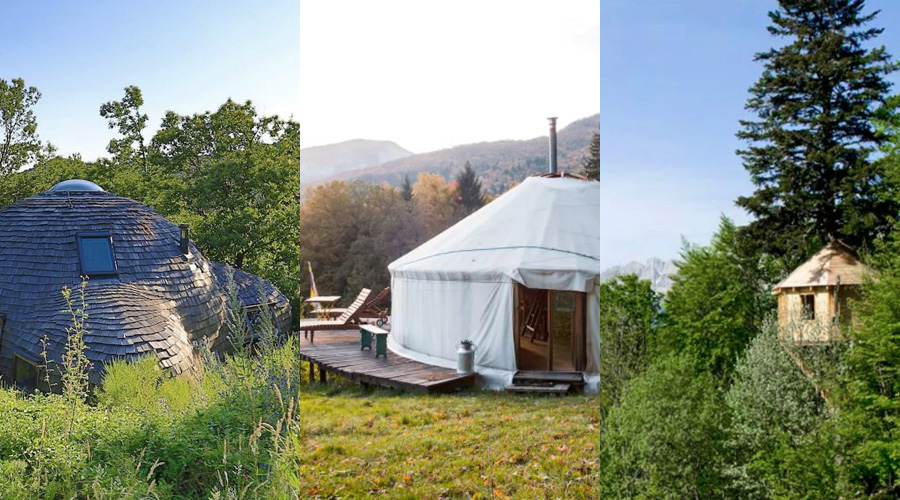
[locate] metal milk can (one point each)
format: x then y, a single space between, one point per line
465 357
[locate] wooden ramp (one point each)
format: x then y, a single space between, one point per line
339 353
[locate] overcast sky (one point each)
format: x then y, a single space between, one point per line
669 78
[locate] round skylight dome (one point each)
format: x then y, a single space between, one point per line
75 185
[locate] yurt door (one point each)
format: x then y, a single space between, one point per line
549 330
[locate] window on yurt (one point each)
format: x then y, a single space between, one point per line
809 306
95 254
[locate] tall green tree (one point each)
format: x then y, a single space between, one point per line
591 164
809 150
234 176
126 117
406 189
870 412
19 142
718 301
469 195
629 316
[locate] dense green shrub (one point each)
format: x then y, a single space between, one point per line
778 431
666 437
628 319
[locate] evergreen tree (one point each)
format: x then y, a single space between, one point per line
468 190
809 152
406 189
591 164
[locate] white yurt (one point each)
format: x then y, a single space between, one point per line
518 278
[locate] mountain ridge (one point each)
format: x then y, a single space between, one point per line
320 162
500 164
658 271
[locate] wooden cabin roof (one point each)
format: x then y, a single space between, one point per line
836 261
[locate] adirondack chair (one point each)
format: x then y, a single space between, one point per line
349 318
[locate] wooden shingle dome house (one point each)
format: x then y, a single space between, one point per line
150 290
814 300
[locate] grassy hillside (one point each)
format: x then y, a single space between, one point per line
500 164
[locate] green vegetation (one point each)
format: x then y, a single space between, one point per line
810 151
718 300
591 164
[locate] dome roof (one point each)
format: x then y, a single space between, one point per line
75 185
154 299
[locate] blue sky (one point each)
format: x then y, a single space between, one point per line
674 79
188 56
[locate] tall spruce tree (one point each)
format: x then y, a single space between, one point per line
809 151
591 164
468 190
406 189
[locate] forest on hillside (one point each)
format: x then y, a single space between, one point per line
499 164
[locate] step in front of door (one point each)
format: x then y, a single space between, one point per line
548 378
540 389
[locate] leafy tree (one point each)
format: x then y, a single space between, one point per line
629 315
871 410
354 230
234 176
126 116
591 164
780 442
718 300
19 143
666 438
469 196
435 207
809 152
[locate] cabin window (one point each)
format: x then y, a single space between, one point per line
809 307
25 373
95 252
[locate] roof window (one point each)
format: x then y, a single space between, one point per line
95 253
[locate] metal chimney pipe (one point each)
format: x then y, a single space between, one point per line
185 238
552 121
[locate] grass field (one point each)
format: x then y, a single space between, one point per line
254 428
474 445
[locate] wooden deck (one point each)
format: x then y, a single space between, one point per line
339 353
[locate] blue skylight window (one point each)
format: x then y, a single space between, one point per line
95 252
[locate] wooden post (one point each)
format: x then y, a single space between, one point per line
549 330
323 378
312 372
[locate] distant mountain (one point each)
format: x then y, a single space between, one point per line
657 271
321 162
499 164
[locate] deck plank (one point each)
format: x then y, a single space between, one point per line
340 353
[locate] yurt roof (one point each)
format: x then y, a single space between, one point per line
543 233
836 261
